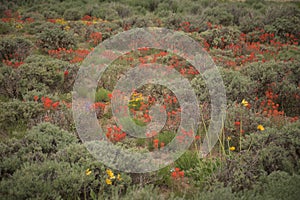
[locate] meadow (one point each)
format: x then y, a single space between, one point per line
253 43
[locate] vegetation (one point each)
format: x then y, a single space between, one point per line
255 45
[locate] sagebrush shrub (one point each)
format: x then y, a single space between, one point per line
42 73
17 48
72 14
55 38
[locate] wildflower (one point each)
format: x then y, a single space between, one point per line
36 98
155 143
197 137
237 123
228 138
174 174
67 28
177 173
88 172
232 148
110 174
245 103
66 73
54 105
260 127
119 177
181 174
108 181
47 102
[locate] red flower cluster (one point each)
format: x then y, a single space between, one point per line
14 17
250 47
186 27
48 103
73 56
237 123
185 135
99 105
156 144
96 37
115 134
14 64
86 18
269 107
294 119
177 173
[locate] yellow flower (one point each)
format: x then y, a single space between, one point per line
228 138
60 21
245 103
119 177
110 174
67 28
232 148
19 26
88 172
108 181
260 127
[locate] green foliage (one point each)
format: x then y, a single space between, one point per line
8 81
55 38
37 145
287 25
72 14
264 153
278 185
41 73
281 77
17 48
187 161
203 170
5 28
102 95
237 86
47 180
166 137
147 192
219 15
276 149
106 13
47 162
214 36
16 112
48 14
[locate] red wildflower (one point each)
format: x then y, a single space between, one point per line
36 98
55 105
66 73
237 123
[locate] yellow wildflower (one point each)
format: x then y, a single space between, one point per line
232 148
228 138
245 103
60 21
19 26
119 177
108 181
110 174
88 172
260 127
67 28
